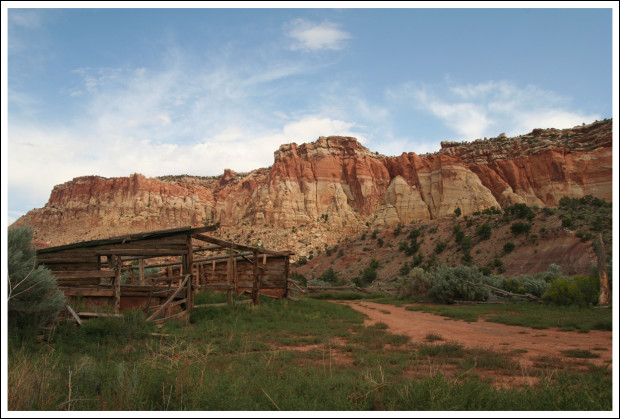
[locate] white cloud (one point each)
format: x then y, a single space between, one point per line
487 109
310 36
26 18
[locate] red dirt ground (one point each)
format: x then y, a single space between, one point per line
511 340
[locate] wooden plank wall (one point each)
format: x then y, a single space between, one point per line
273 275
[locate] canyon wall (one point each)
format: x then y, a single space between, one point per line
336 186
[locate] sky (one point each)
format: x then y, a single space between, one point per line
112 92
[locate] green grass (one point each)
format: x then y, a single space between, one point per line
534 315
580 353
308 355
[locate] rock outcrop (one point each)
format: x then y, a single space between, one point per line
335 186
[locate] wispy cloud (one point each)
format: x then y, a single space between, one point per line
487 109
27 18
311 36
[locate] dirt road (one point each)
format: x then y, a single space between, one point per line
528 345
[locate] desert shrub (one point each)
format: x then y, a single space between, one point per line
520 211
416 283
552 273
589 286
459 236
548 211
563 291
567 222
368 275
398 229
579 290
301 261
440 247
330 276
525 284
404 270
520 228
380 242
414 234
448 285
299 278
484 231
33 297
417 260
457 212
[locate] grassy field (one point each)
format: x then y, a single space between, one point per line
280 355
534 315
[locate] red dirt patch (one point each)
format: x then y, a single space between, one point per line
526 348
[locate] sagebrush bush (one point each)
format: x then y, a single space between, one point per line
448 285
33 296
416 283
525 284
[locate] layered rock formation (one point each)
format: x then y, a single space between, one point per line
335 186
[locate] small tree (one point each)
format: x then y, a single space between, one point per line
33 297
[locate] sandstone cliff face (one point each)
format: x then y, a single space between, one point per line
336 186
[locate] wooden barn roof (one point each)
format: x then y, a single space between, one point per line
128 238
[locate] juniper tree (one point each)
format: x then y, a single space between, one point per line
33 296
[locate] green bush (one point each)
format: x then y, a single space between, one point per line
509 247
414 234
525 284
520 228
331 277
299 278
567 222
33 297
589 286
579 290
416 283
484 231
563 291
448 285
520 211
301 261
440 247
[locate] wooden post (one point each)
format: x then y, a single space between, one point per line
256 279
286 269
190 270
117 263
229 267
235 275
599 246
141 271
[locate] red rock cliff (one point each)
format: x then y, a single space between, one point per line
337 183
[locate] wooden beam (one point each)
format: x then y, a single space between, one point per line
117 283
229 268
131 237
156 313
256 279
142 252
74 314
83 274
189 260
233 245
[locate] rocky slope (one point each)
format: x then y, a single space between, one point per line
319 192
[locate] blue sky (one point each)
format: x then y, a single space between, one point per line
112 92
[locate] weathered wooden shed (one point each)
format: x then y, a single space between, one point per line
160 271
